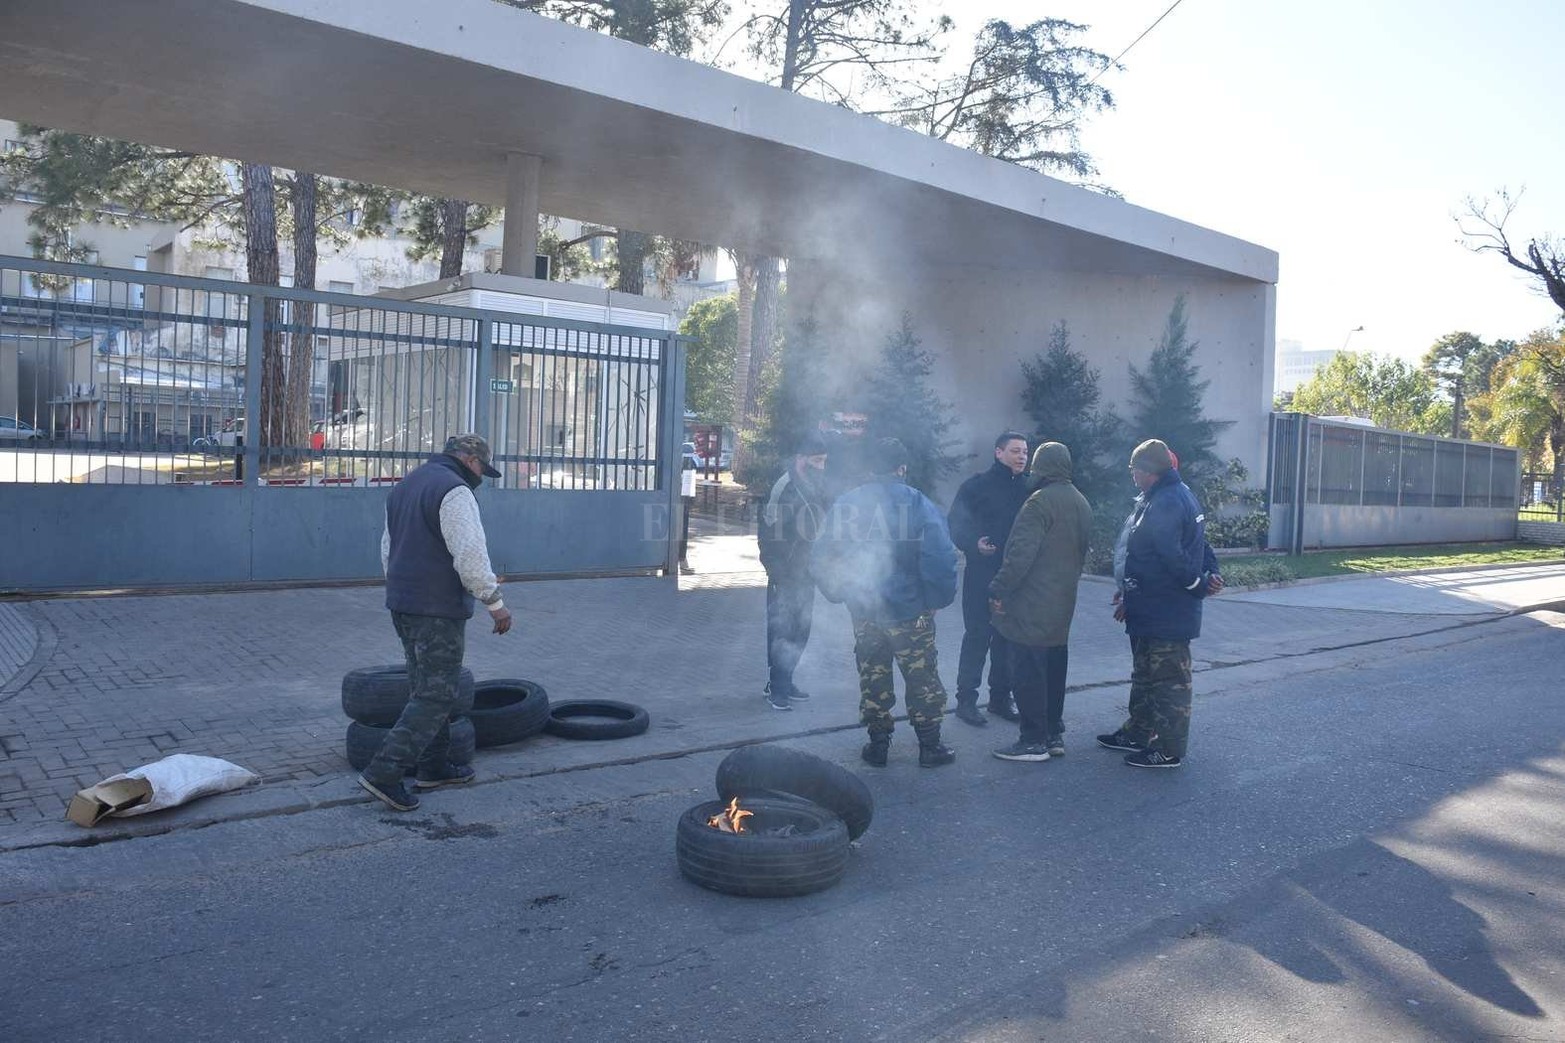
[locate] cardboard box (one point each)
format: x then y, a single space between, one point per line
90 805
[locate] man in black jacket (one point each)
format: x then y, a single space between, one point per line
790 521
980 520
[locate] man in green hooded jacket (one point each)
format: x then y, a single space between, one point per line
1033 598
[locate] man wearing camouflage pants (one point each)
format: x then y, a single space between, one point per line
1163 568
885 551
436 561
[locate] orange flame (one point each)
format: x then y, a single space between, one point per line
730 820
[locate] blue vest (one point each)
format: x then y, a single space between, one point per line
421 576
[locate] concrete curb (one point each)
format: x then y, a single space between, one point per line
1390 573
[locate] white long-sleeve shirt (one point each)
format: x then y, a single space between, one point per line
463 532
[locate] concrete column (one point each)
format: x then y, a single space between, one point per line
520 244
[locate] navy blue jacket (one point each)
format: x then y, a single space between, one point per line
421 576
1167 563
885 551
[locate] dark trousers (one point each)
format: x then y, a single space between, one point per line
1160 694
980 642
1039 675
790 605
433 647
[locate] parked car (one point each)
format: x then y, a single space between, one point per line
13 429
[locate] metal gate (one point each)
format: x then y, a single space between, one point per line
161 431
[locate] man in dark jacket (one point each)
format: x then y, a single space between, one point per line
790 522
1163 568
884 550
981 518
436 562
1034 598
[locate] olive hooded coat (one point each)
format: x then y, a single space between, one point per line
1044 555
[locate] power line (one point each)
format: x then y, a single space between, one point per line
1137 40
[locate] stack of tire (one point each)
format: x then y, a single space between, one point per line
491 713
805 812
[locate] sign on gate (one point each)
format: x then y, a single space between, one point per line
502 387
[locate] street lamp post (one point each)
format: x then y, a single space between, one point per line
1356 329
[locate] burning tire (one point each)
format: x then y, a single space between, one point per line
376 694
365 740
758 770
507 710
787 848
623 719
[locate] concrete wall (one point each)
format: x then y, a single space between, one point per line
1552 533
981 324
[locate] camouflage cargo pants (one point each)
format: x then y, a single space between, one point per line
433 647
911 645
1159 695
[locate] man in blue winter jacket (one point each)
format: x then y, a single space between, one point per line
1163 568
885 552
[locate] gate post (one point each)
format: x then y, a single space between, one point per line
255 334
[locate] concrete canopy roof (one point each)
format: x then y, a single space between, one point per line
432 96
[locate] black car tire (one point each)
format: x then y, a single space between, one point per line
365 740
507 710
377 694
757 770
812 858
625 719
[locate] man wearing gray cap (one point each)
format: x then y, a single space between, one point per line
436 562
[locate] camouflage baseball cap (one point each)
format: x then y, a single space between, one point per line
476 446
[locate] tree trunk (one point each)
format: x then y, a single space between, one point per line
744 273
763 330
301 342
260 211
453 236
632 250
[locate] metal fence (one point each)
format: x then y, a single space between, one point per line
133 378
1541 499
1333 483
117 378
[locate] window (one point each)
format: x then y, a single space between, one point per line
12 145
137 292
200 425
337 286
217 304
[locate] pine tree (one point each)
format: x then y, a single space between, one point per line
794 396
1168 397
1062 397
901 404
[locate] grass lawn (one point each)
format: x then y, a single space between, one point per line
1249 569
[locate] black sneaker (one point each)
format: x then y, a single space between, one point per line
778 702
1152 759
1056 746
452 775
968 713
395 796
798 695
1118 740
874 752
1023 751
1002 707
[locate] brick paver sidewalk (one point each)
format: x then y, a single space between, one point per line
255 677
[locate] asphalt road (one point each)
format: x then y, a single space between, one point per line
1365 845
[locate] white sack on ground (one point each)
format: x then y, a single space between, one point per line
183 777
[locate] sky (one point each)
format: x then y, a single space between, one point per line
1344 136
